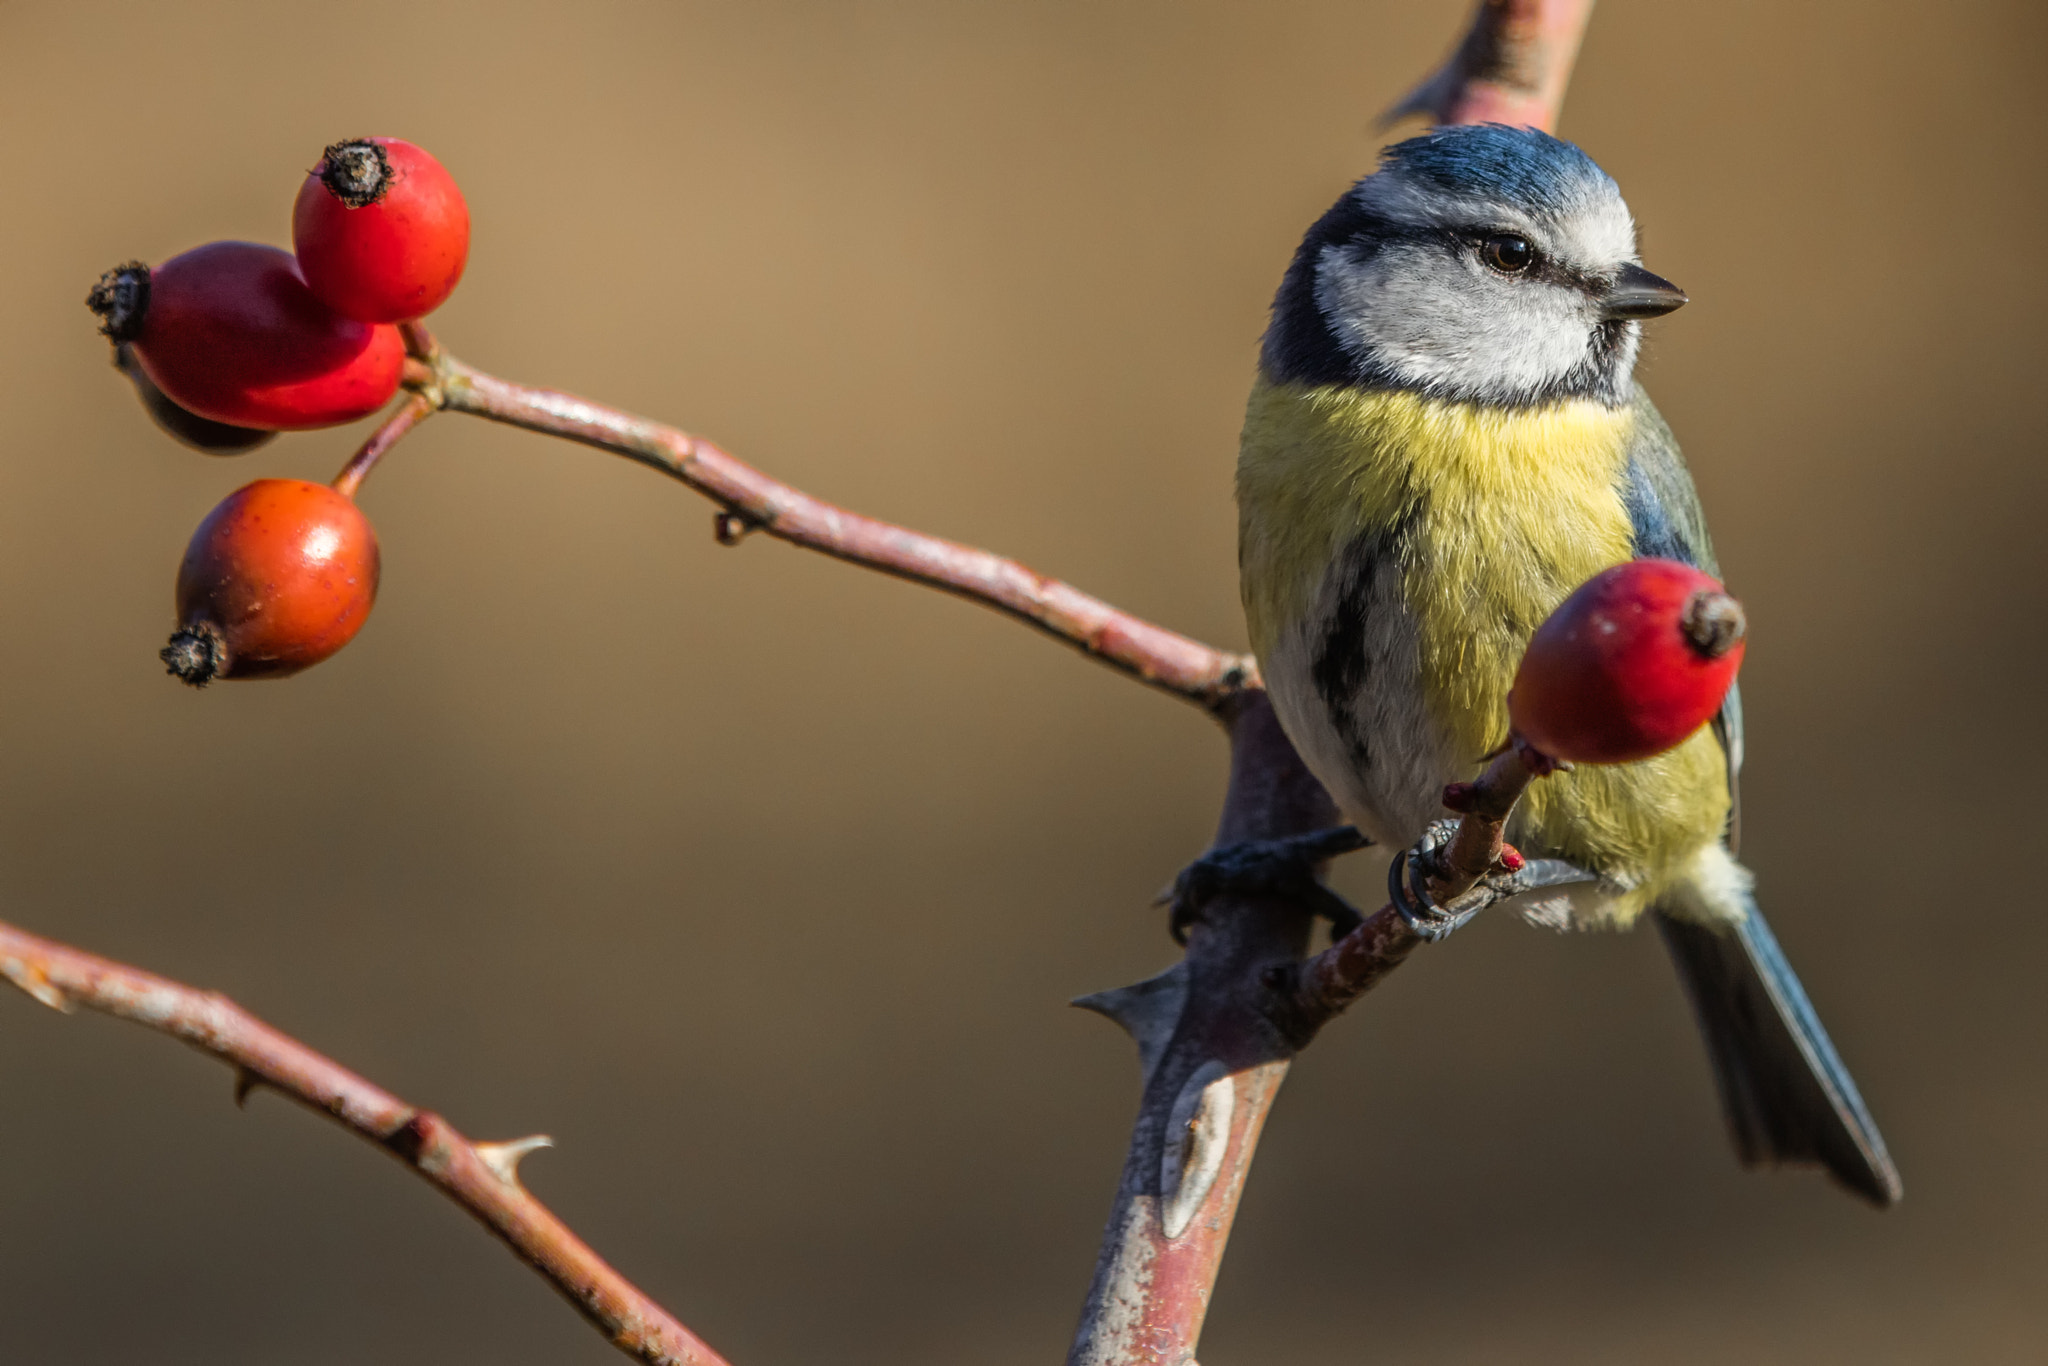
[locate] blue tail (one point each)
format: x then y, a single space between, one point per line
1787 1096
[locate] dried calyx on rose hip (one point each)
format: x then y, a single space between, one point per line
381 230
182 424
1631 664
278 577
230 332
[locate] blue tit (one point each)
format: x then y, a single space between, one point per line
1444 440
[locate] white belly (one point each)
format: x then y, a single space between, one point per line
1345 684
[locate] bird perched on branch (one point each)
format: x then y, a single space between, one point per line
1445 439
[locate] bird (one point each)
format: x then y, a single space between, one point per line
1444 439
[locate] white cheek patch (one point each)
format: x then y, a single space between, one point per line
1438 321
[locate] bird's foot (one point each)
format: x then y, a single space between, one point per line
1279 867
1409 875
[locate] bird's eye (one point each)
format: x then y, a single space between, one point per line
1507 253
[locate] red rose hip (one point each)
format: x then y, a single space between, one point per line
230 332
381 230
278 577
1628 666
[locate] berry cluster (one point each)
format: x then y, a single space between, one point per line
232 342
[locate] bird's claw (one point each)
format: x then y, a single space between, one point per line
1408 885
1512 874
1277 867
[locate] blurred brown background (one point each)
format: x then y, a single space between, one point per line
760 882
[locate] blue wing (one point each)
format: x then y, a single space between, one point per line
1664 510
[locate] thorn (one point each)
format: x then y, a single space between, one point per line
1510 860
1148 1011
33 980
503 1158
1458 797
1427 99
245 1082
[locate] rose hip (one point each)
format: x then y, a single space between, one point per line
278 577
1631 664
381 230
230 332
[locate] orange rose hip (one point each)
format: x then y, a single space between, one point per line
278 577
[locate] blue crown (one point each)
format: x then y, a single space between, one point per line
1520 165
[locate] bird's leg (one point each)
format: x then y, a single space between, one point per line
1276 867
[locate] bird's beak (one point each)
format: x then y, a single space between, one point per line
1636 293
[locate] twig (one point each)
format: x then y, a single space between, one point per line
751 501
480 1177
1484 807
1512 66
416 409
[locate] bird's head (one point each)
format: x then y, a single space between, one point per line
1484 263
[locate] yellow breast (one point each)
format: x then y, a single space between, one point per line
1502 513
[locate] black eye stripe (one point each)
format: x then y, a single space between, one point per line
1368 233
1540 266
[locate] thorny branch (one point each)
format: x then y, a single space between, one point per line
481 1177
1216 1032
